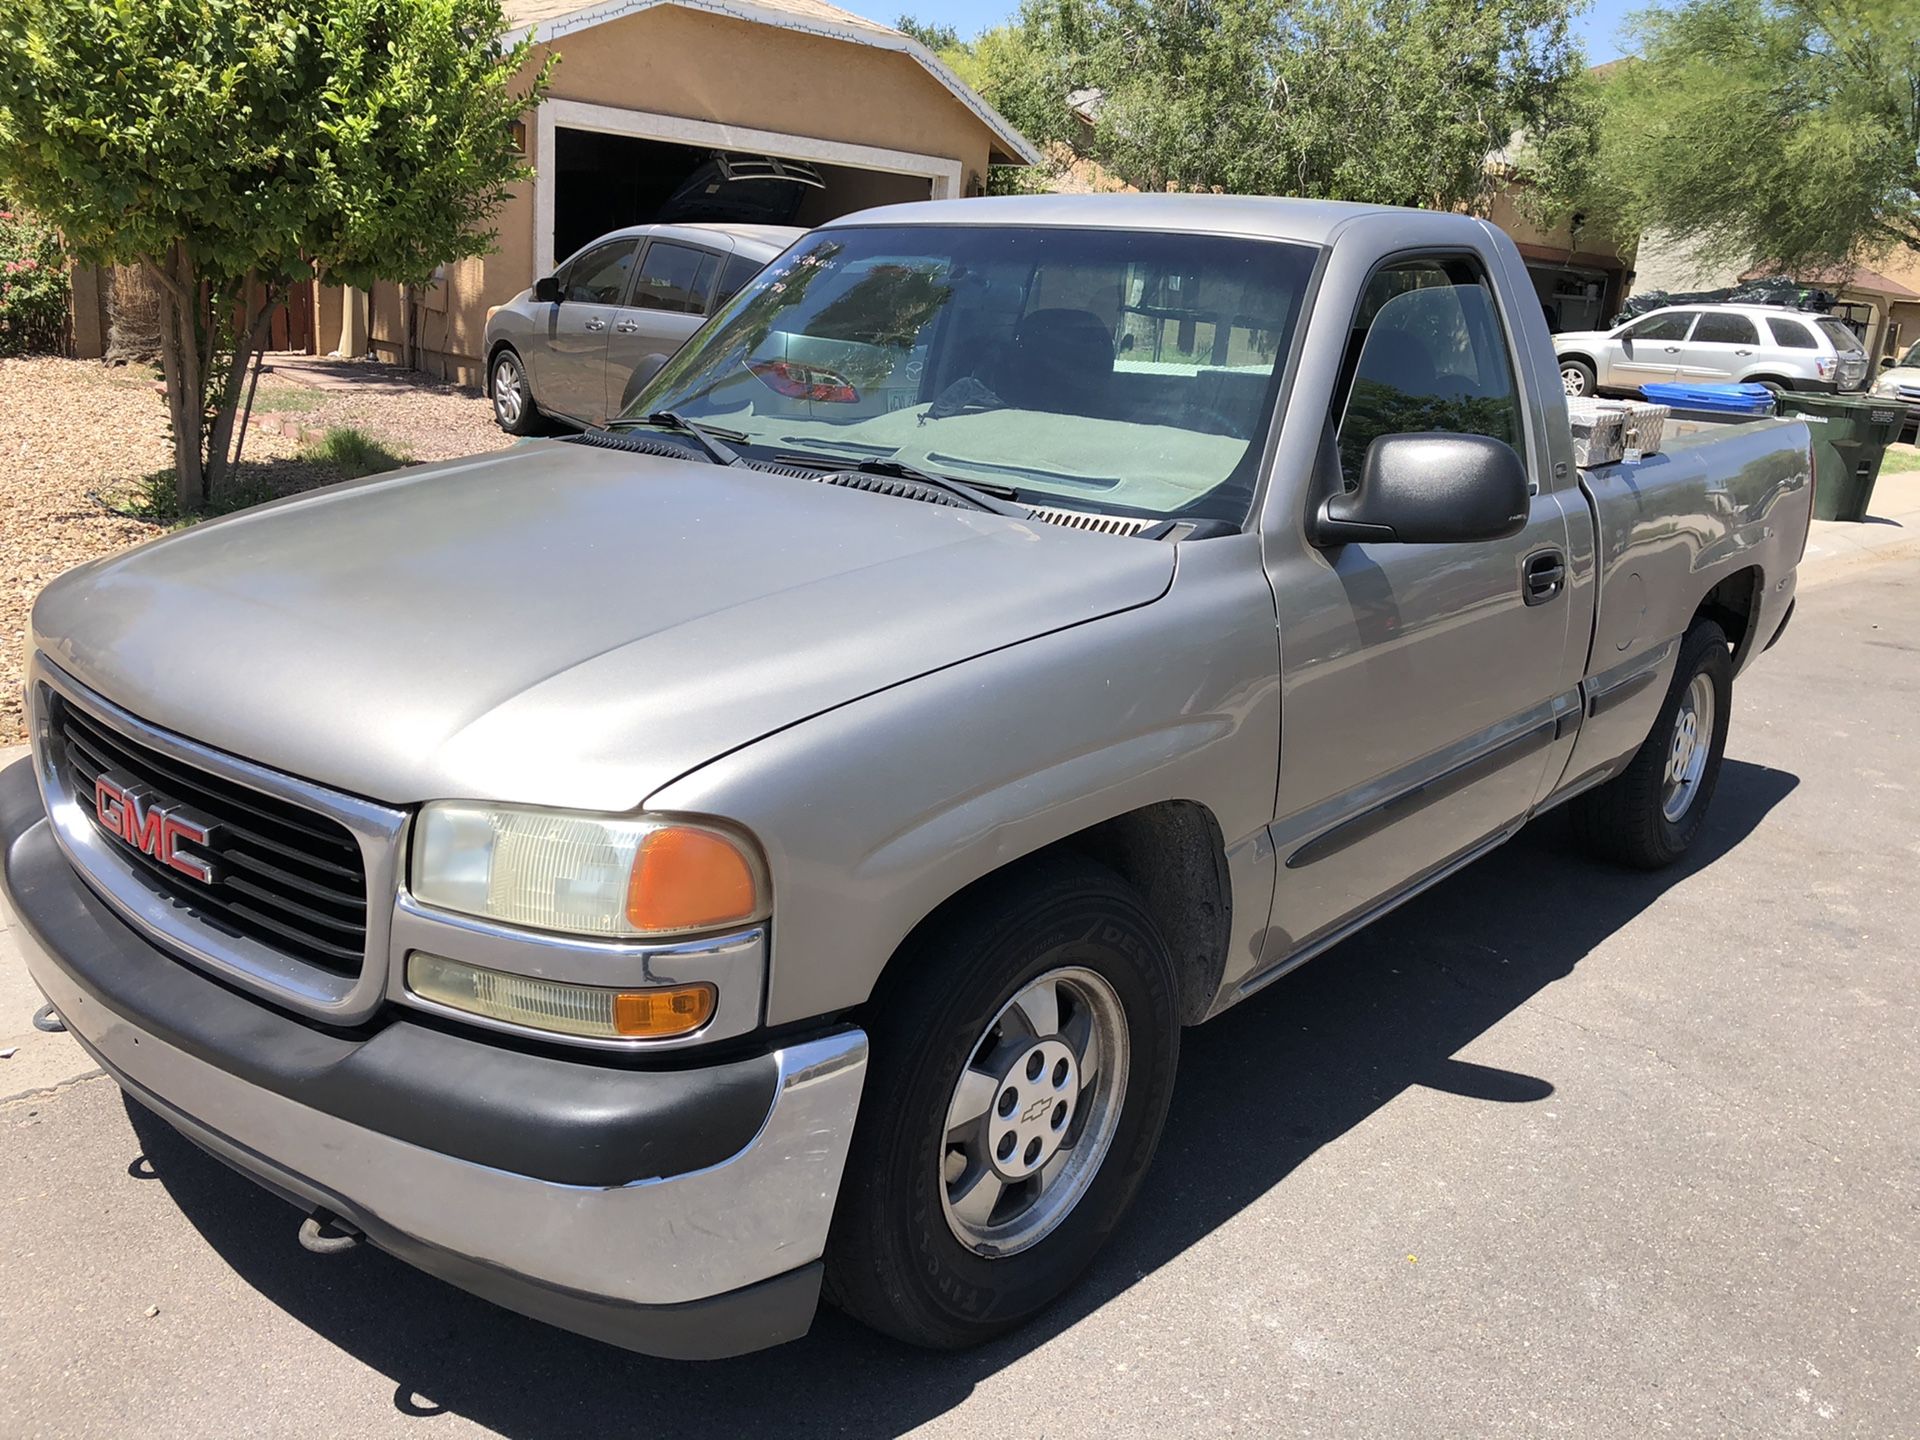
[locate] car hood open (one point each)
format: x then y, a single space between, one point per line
559 624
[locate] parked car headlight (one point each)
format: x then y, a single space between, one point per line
584 874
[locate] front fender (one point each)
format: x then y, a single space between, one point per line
875 813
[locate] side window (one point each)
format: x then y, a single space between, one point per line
1427 353
1671 326
599 276
1791 335
675 277
734 276
1717 327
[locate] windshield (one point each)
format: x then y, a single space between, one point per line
1911 359
1121 371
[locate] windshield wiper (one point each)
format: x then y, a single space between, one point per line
992 498
710 439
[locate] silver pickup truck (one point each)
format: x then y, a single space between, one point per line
776 841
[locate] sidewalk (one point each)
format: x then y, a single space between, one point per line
39 1061
1891 531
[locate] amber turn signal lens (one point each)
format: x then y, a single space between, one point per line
598 1012
689 879
654 1014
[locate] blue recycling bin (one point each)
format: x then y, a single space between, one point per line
1712 399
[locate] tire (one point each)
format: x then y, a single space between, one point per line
1644 817
1778 387
514 410
905 1254
1577 377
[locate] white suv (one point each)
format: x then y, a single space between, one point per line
1715 345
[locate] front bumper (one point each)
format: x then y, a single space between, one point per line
680 1213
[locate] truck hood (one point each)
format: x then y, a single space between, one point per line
558 624
1564 338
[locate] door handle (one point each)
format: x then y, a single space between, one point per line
1546 576
1743 352
595 324
625 327
1673 349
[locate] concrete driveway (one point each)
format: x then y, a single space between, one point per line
1556 1150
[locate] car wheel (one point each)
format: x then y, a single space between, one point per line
1649 814
513 406
1023 1061
1577 378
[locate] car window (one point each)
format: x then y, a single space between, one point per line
1844 340
599 276
1911 358
1718 327
675 277
1428 354
1671 326
1791 334
734 275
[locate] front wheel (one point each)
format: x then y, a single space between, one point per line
1577 378
1650 813
1022 1065
513 406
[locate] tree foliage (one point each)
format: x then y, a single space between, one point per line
1394 101
1784 132
233 147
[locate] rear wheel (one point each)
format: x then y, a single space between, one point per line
1577 378
1650 813
513 406
1022 1066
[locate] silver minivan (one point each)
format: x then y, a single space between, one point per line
1715 345
577 344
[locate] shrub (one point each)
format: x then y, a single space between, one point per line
33 287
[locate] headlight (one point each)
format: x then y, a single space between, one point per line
584 874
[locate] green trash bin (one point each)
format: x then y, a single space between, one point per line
1850 434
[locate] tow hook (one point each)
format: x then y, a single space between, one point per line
48 1019
325 1233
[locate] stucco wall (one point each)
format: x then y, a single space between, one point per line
697 66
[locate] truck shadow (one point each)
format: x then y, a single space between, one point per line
1260 1091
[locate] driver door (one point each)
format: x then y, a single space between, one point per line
1649 350
1422 682
570 373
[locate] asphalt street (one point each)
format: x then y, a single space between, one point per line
1555 1150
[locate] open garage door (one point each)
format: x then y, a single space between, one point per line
604 181
599 168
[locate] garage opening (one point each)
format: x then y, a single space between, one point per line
603 182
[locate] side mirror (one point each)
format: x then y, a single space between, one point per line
547 290
1431 488
1886 362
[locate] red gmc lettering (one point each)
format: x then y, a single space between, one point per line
124 813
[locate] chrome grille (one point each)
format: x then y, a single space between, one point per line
282 875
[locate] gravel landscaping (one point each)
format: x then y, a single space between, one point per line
78 437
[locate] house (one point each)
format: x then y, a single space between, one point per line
690 109
669 106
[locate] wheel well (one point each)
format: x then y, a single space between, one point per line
1730 605
1586 360
1173 855
1782 381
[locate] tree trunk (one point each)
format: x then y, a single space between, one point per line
186 378
253 326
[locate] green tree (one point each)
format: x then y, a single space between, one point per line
1784 132
1394 101
934 36
234 147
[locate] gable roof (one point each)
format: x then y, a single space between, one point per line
551 19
